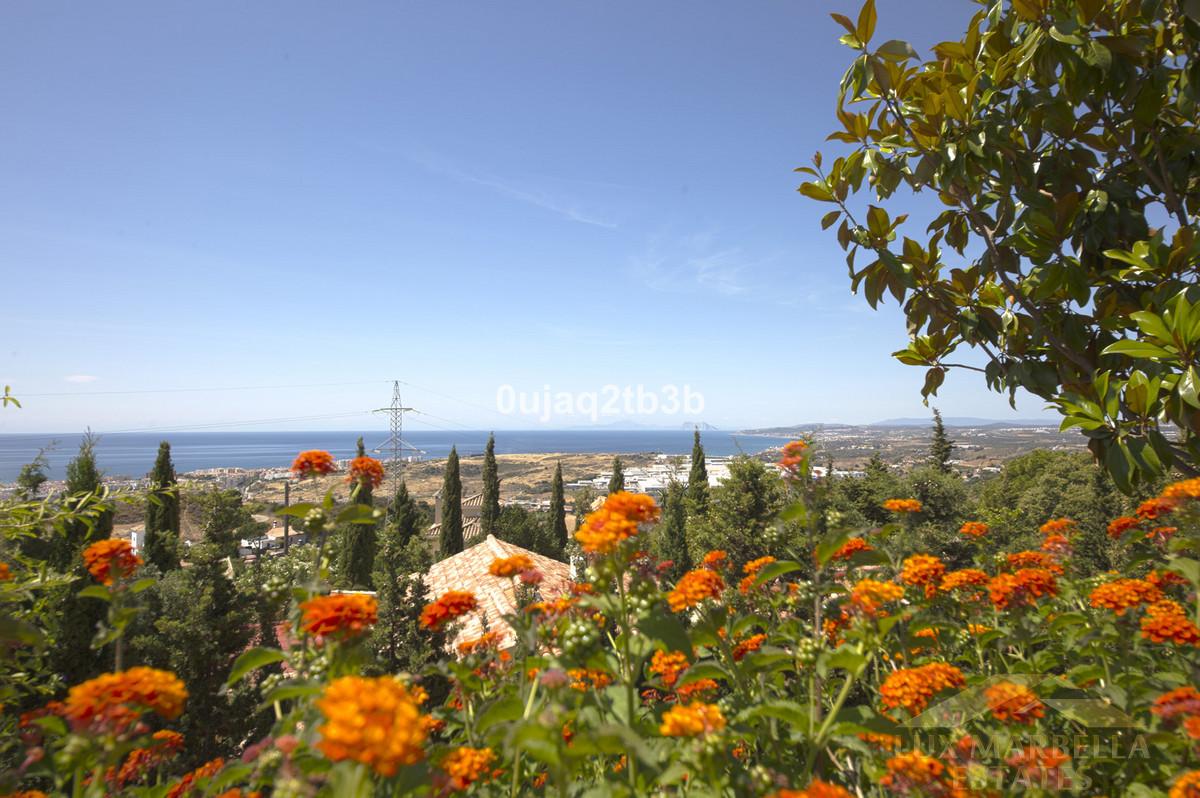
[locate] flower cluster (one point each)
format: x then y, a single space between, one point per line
510 566
1165 622
668 665
121 696
868 595
1014 703
1124 594
340 615
696 719
1021 588
973 529
447 607
751 570
110 559
748 646
367 471
912 688
465 766
792 461
923 570
902 506
618 520
375 721
313 463
694 587
850 548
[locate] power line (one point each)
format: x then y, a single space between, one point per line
203 390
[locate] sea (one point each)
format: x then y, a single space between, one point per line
131 454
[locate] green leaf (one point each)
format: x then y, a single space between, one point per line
251 660
833 540
775 570
97 592
141 585
666 628
867 17
703 670
790 712
508 708
896 50
1133 348
816 191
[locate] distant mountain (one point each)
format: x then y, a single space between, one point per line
963 421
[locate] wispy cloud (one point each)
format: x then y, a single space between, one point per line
554 202
694 263
80 378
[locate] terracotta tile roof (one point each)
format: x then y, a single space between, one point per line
468 570
472 531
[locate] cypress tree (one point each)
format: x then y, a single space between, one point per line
671 534
162 513
72 656
617 482
558 513
697 487
399 641
359 540
490 511
451 540
33 476
941 446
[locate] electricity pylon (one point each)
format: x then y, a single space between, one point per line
395 443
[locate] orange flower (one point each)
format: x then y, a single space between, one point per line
794 454
885 742
902 506
465 766
639 507
604 530
851 547
1161 534
1187 785
1165 622
187 784
1191 726
1058 545
485 642
1187 489
694 587
27 794
694 720
1164 579
912 688
715 560
868 594
973 529
1014 703
5 572
1119 526
584 679
110 559
341 615
1180 701
912 772
816 789
923 570
748 646
964 577
1021 588
978 629
450 605
140 761
366 470
1042 764
668 665
1156 508
751 570
375 721
1033 559
1058 526
696 688
313 463
118 696
510 566
1123 594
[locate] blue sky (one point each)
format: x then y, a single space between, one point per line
458 195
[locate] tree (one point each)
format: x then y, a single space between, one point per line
202 625
76 622
1062 137
400 643
33 475
581 504
225 521
697 487
941 446
558 513
528 529
451 538
741 510
162 513
490 511
670 536
357 557
404 516
617 482
862 499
